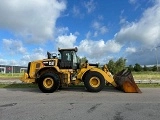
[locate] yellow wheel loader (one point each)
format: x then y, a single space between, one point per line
58 71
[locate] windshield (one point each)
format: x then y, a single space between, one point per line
75 60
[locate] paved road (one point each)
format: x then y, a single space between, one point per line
77 104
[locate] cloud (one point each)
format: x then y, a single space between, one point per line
62 30
96 25
3 62
12 62
137 38
137 4
99 28
88 34
35 21
36 54
32 19
131 49
13 46
122 20
15 49
90 6
103 29
143 35
38 50
66 41
98 49
9 62
144 57
132 1
77 12
146 31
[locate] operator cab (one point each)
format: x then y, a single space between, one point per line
68 59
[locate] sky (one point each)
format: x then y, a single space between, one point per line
101 29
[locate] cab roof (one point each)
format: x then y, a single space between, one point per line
68 49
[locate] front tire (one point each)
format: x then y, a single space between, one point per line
94 81
49 82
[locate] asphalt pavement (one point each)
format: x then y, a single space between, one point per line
78 104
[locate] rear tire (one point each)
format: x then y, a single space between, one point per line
48 82
94 81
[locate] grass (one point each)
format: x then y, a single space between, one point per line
148 85
10 75
148 75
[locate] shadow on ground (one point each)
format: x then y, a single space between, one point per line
34 88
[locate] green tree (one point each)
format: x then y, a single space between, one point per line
83 59
111 66
116 66
137 67
120 64
130 67
154 68
145 68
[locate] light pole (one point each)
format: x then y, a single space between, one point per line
157 57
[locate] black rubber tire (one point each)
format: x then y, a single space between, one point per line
53 77
89 87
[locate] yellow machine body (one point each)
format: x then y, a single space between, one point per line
53 73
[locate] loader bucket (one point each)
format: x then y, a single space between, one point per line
125 82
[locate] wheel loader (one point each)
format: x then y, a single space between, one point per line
64 69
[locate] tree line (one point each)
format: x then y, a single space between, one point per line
137 68
120 64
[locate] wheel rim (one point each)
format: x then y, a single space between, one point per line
94 82
48 82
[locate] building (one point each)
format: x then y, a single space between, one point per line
12 69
